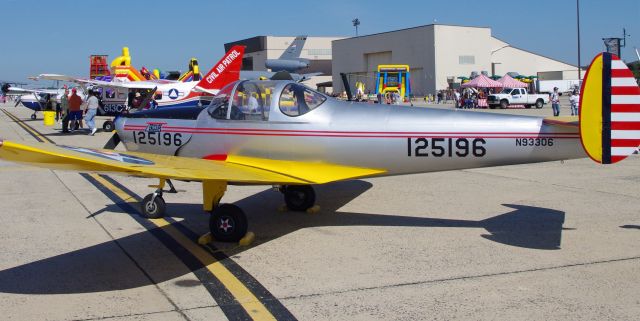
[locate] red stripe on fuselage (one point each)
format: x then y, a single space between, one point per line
388 135
208 130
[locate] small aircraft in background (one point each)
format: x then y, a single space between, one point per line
285 67
290 60
35 99
166 93
118 94
284 134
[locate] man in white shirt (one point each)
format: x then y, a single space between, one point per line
555 101
575 102
91 110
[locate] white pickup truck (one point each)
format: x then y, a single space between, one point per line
516 96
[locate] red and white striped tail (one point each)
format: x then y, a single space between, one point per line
609 110
625 111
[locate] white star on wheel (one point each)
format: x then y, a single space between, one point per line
224 224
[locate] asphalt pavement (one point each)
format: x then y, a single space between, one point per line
546 241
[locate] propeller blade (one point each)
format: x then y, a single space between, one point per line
113 142
18 102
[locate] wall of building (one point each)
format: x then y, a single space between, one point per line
359 57
459 52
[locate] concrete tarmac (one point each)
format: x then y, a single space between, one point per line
553 241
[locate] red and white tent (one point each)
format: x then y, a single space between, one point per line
508 82
482 81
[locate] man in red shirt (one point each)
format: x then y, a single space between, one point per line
74 111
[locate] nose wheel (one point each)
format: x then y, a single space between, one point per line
299 197
153 205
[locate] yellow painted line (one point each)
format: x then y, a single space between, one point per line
248 301
26 127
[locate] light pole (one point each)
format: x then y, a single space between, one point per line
356 23
579 62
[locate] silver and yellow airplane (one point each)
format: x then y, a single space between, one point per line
284 134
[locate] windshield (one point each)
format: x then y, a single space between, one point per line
219 104
297 100
252 100
506 91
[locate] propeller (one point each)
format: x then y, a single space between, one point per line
18 102
5 88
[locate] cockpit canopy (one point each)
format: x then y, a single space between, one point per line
252 100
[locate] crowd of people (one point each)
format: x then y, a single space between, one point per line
73 112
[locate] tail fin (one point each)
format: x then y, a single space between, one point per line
294 49
609 110
226 71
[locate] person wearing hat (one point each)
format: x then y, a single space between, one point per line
74 113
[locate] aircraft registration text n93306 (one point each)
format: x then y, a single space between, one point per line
445 147
534 142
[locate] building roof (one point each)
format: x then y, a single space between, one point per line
533 53
416 27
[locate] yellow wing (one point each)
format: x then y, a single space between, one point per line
236 169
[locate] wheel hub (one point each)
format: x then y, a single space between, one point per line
151 207
225 225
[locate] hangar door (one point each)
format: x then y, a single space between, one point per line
372 61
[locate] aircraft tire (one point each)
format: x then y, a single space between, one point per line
299 198
33 116
108 126
228 223
153 209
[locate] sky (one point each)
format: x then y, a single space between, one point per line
58 36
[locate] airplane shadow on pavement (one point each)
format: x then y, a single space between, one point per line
104 267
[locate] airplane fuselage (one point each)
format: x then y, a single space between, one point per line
399 139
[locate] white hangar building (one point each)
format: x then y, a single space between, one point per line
437 55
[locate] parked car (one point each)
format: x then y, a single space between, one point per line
516 96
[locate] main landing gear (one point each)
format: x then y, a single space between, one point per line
228 222
298 198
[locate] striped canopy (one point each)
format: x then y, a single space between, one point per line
508 82
482 81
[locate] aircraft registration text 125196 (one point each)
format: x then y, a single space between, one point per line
445 147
